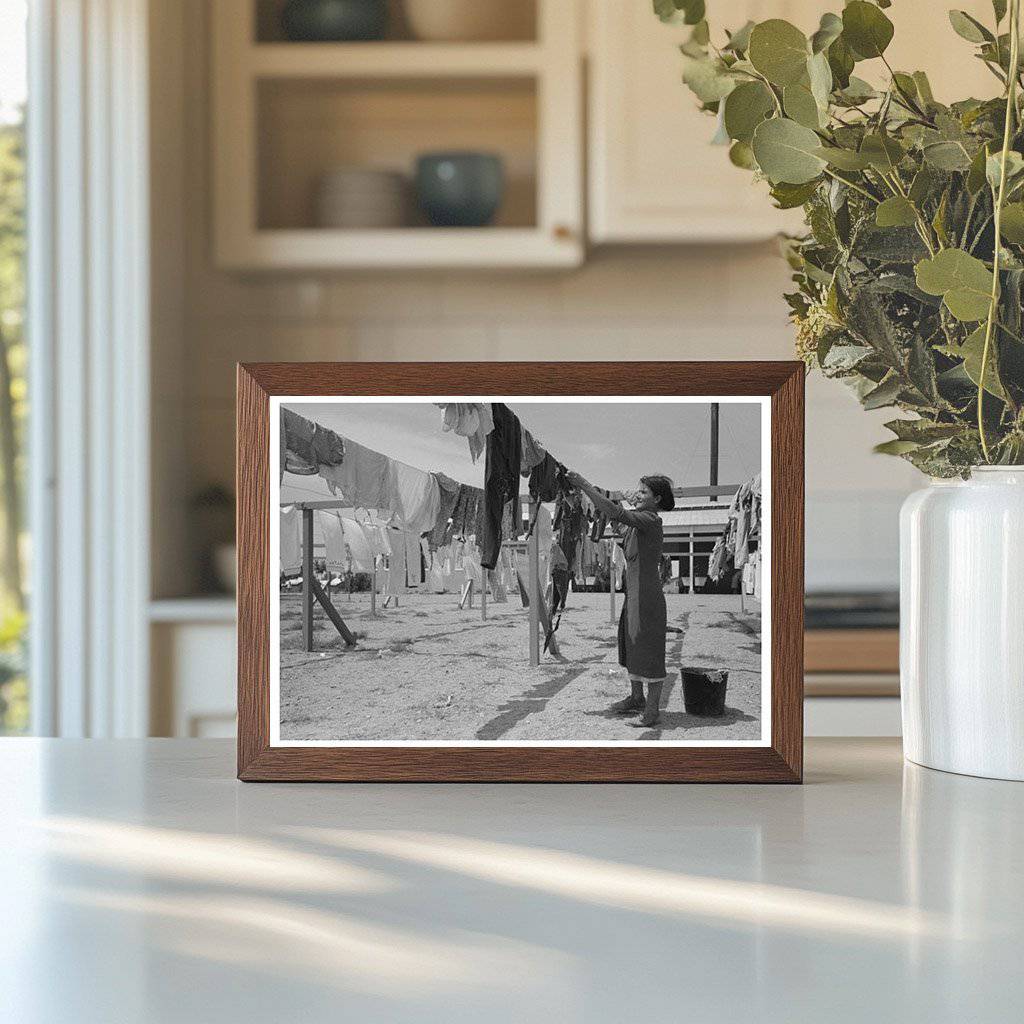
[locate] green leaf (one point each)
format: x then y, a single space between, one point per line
840 61
857 91
707 78
895 212
895 447
829 30
844 159
885 394
779 51
993 166
819 74
947 156
923 431
924 88
963 281
883 152
741 155
922 185
690 12
745 108
787 151
801 106
969 28
1011 226
788 196
971 352
739 41
866 29
976 173
999 9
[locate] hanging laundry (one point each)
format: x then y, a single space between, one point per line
466 512
600 521
360 550
533 452
413 558
472 420
290 540
448 492
501 479
544 483
395 581
415 496
571 529
310 443
364 478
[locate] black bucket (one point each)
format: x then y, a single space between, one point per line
704 691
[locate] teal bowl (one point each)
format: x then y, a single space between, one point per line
462 190
334 21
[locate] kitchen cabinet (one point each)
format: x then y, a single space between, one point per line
287 114
653 175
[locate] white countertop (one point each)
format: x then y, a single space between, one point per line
140 882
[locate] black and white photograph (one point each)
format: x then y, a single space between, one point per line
535 570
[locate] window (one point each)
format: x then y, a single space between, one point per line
14 694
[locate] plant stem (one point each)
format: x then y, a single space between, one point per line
853 185
1011 107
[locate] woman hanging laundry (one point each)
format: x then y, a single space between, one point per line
642 624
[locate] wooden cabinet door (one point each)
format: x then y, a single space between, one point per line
654 176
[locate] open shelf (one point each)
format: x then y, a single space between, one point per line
287 114
393 60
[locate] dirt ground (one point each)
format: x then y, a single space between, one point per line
430 671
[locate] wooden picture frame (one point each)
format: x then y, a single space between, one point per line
779 760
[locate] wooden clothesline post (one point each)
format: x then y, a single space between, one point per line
483 594
611 580
307 579
373 587
533 588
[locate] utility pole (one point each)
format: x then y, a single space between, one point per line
714 448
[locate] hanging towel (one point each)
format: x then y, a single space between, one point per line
291 541
413 558
415 496
501 479
328 525
364 478
448 493
360 550
533 453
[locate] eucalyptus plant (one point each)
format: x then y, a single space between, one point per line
910 277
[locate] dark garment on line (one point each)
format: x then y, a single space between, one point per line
465 515
600 522
642 624
573 525
312 445
501 479
559 588
544 485
449 491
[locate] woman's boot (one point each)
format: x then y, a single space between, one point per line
634 702
652 709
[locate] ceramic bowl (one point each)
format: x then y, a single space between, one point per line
460 189
333 21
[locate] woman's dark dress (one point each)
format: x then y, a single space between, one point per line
643 619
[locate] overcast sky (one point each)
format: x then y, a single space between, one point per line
612 444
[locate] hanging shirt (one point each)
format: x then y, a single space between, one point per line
501 479
414 496
290 539
364 478
448 492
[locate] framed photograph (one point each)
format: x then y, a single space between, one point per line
559 572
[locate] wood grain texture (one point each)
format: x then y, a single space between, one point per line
852 650
780 762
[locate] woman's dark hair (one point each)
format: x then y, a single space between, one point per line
661 488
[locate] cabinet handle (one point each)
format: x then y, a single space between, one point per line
562 232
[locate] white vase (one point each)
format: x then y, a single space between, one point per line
962 624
